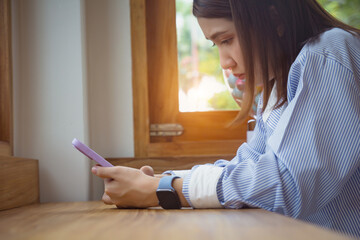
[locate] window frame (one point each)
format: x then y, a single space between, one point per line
154 44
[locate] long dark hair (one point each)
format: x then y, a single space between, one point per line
272 32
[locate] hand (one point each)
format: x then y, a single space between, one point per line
150 171
128 187
147 170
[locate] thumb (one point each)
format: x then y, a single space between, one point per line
147 170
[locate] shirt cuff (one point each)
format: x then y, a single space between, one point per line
200 187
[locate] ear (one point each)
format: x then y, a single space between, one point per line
276 18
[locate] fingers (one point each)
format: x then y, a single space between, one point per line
147 170
106 172
113 172
126 186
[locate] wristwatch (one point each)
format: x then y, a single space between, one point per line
168 198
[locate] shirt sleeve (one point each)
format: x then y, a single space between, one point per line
311 154
200 184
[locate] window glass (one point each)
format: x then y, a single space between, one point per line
201 82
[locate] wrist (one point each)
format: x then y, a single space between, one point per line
177 185
153 200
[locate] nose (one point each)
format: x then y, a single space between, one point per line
226 61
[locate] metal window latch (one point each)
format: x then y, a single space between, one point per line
166 129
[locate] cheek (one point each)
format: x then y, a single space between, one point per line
238 56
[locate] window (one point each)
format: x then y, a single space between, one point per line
202 86
155 91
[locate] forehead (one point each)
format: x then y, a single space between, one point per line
211 27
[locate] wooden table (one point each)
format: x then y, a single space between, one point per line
94 220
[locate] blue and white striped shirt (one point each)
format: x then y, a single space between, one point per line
304 158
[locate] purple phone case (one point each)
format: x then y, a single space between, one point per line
90 153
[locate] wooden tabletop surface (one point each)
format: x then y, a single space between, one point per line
94 220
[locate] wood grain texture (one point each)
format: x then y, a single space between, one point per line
5 149
6 119
19 182
161 164
94 220
209 126
206 126
162 60
199 148
139 77
155 91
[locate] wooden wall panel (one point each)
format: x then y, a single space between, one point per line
5 80
19 180
5 149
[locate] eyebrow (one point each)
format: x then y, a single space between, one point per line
216 34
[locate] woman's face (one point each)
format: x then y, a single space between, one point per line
223 34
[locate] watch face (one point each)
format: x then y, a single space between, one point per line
168 199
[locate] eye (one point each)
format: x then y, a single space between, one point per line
223 42
226 42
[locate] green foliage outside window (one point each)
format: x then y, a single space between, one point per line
348 11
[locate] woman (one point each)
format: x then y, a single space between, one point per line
304 158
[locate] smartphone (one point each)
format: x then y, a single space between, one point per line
90 153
